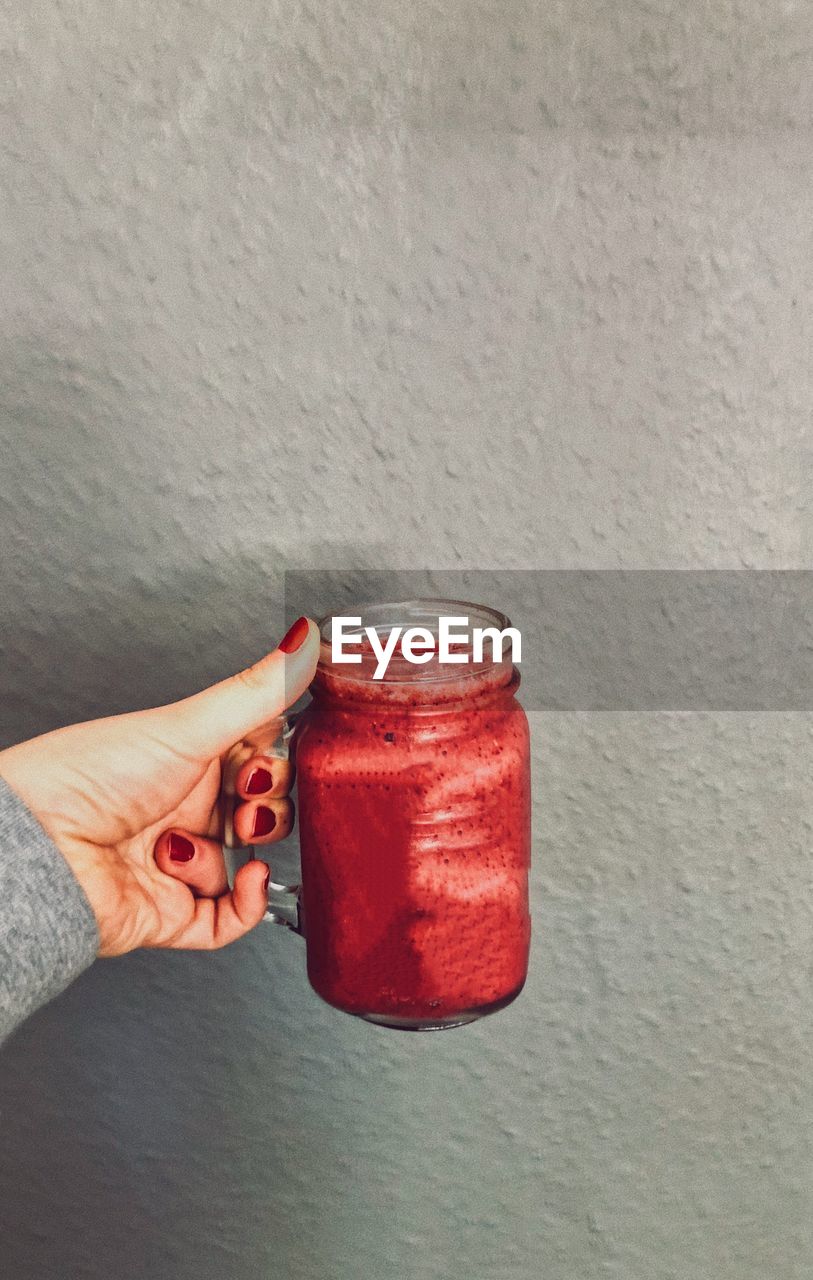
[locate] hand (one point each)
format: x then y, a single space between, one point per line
134 803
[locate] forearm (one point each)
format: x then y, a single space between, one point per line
48 933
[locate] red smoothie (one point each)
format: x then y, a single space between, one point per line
414 813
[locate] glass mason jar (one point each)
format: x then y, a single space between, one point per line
414 825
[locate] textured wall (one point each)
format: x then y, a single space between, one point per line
458 284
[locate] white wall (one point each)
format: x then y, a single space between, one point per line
455 285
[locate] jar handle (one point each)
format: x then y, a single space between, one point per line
273 739
285 906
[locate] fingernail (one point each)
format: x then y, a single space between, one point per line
266 880
180 849
264 821
296 637
259 780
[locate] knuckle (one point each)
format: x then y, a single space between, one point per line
251 678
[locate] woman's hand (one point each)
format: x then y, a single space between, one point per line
133 803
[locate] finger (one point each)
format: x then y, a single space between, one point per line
263 776
219 921
267 741
263 822
209 722
194 860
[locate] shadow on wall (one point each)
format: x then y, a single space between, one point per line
107 608
134 641
161 1089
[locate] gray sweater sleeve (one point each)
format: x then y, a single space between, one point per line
48 932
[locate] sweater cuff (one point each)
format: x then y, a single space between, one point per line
48 932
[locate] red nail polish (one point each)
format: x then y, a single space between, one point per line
180 849
259 780
264 821
296 637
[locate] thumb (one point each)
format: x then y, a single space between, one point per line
211 721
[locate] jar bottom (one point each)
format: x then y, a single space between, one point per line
461 1019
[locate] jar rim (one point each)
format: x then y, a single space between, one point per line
424 611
